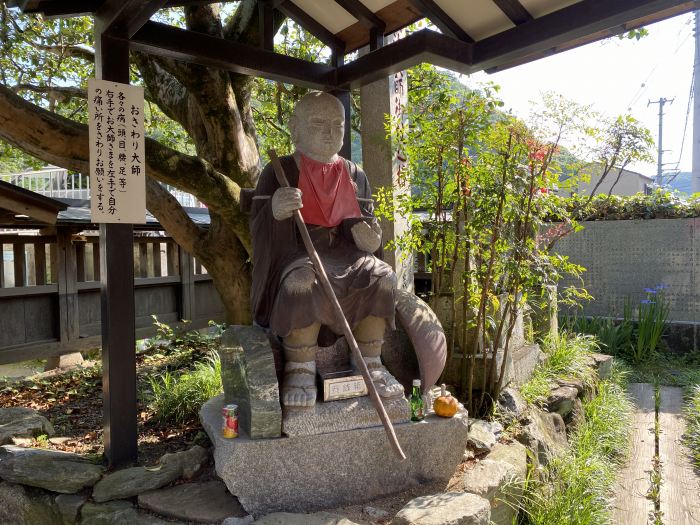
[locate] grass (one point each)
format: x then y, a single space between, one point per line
668 370
567 357
692 414
178 397
576 487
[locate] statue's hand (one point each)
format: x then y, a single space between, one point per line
367 237
284 202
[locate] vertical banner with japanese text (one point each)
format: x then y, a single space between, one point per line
117 154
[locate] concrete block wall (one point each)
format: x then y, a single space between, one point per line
624 257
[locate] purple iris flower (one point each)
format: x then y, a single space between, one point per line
647 301
650 290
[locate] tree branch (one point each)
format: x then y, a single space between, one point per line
75 51
57 92
64 142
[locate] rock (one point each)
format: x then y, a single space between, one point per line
515 454
133 481
297 474
481 436
136 480
498 482
576 416
375 513
346 414
512 404
21 505
319 518
575 383
22 422
202 502
451 508
22 442
234 520
525 359
116 513
544 434
496 428
189 462
64 362
603 364
59 440
69 505
561 400
62 472
249 379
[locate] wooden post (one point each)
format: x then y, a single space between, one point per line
186 285
40 263
157 272
67 287
20 274
117 283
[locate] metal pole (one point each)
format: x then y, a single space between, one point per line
660 163
695 176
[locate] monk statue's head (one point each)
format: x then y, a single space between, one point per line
318 126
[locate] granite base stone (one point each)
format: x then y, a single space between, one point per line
308 473
338 416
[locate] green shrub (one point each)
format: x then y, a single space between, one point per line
576 487
567 356
692 414
614 336
177 398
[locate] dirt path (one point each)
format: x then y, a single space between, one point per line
659 482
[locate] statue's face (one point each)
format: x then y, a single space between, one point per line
318 128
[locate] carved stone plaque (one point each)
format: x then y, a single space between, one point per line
342 385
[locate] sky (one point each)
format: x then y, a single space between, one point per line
618 76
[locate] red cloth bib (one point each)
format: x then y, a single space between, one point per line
328 194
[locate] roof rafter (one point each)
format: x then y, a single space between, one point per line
301 17
442 20
125 17
514 10
363 13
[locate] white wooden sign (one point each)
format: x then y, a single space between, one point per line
117 153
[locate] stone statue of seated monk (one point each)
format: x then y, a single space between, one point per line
335 200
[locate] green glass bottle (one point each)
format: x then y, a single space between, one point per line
417 411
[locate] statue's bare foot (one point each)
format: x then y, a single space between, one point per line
299 384
387 386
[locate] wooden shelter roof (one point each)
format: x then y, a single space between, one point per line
19 206
474 34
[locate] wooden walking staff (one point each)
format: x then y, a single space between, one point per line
338 311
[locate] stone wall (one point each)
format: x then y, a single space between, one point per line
624 257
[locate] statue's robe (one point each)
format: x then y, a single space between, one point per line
363 284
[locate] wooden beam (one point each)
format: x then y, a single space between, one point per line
301 17
266 25
125 17
578 21
180 44
514 10
442 20
363 14
21 207
423 46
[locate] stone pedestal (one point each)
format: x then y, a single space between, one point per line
308 473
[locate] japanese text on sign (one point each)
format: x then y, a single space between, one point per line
117 155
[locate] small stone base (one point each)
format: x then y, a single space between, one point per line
308 473
337 416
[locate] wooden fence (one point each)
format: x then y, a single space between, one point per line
50 292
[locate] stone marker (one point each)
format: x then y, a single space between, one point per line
451 508
202 502
302 473
62 472
525 359
319 518
250 380
22 423
500 484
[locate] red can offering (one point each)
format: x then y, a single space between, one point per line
230 416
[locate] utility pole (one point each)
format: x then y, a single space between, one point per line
695 175
660 164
